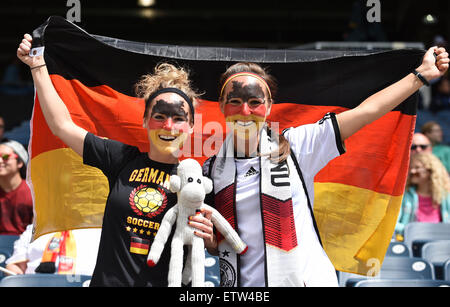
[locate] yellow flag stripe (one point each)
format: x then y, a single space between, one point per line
140 251
60 177
355 224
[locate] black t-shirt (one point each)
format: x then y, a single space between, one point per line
138 199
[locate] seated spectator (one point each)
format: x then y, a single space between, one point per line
16 205
420 143
47 255
433 131
427 197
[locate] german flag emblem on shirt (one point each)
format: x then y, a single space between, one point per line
139 246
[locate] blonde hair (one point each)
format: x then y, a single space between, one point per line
439 178
165 75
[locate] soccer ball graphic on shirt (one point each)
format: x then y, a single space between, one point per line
147 201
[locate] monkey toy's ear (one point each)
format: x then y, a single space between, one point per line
175 183
207 184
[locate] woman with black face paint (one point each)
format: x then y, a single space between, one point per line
168 119
263 182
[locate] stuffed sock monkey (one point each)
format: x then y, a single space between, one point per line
191 188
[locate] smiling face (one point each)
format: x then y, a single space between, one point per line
9 163
246 105
167 125
419 174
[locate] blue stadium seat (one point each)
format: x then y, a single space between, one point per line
212 271
8 241
417 234
437 253
349 279
398 249
45 280
406 268
6 249
5 253
393 268
447 270
402 283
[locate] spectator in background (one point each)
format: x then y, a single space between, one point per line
420 143
427 197
77 258
16 206
441 95
433 131
2 129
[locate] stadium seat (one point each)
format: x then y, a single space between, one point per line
402 283
406 268
447 270
417 234
393 268
212 271
349 279
5 253
45 280
437 253
6 250
398 249
8 241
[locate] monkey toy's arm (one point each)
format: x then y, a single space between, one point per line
227 231
161 236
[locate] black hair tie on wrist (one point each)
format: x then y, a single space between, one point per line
421 78
38 66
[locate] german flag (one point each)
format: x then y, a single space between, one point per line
357 196
139 246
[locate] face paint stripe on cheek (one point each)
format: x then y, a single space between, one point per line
153 124
168 125
231 110
174 117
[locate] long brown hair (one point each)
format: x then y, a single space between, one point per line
284 149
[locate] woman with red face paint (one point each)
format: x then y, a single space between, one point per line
129 225
263 181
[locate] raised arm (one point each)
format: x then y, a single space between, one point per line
387 99
55 111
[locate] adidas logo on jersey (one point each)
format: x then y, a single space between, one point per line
251 172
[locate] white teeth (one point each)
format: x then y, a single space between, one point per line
167 137
245 124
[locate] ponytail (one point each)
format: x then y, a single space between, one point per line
284 148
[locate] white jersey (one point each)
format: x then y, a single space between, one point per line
314 146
